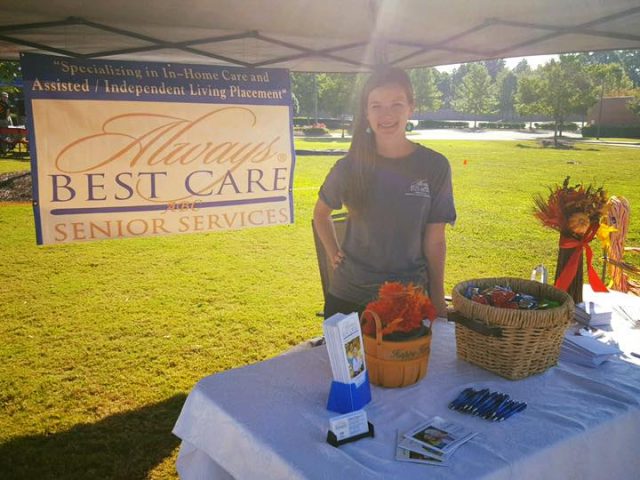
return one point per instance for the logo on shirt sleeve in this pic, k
(419, 188)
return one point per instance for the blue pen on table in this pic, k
(517, 409)
(468, 400)
(492, 408)
(477, 400)
(513, 411)
(480, 405)
(462, 397)
(486, 404)
(500, 407)
(506, 406)
(460, 401)
(490, 412)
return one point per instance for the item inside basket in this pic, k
(504, 297)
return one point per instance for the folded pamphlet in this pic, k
(432, 442)
(408, 450)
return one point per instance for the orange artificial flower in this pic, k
(401, 308)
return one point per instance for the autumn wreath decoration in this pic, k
(401, 309)
(575, 211)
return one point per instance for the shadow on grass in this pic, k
(15, 156)
(316, 153)
(324, 139)
(127, 445)
(550, 146)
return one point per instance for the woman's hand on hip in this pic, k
(337, 259)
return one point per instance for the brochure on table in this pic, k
(432, 442)
(350, 388)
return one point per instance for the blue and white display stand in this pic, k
(347, 397)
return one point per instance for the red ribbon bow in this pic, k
(571, 268)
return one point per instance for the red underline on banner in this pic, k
(146, 208)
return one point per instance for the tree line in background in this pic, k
(561, 89)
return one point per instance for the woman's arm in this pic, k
(434, 246)
(327, 232)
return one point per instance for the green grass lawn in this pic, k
(101, 342)
(11, 165)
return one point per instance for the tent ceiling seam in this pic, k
(26, 43)
(567, 30)
(441, 45)
(30, 26)
(310, 53)
(557, 33)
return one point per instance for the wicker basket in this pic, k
(395, 364)
(511, 343)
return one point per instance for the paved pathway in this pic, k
(471, 134)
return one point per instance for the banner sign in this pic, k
(129, 149)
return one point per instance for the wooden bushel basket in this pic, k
(511, 343)
(395, 364)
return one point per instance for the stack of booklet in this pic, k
(587, 351)
(432, 442)
(593, 314)
(346, 351)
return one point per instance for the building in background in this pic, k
(614, 112)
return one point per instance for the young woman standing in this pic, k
(399, 199)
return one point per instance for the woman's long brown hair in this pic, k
(363, 144)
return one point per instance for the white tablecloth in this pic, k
(269, 420)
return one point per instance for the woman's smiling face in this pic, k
(388, 110)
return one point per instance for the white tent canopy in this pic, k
(312, 35)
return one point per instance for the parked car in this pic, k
(411, 125)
